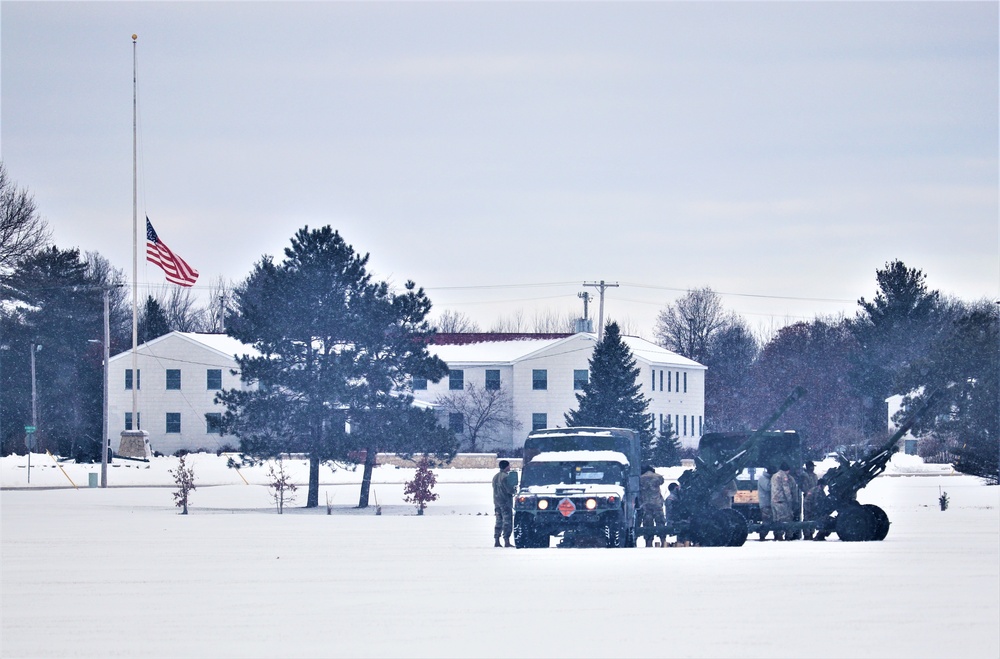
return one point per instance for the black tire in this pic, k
(855, 524)
(614, 534)
(737, 525)
(712, 530)
(881, 521)
(524, 534)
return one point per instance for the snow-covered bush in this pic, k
(184, 478)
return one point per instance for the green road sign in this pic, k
(29, 429)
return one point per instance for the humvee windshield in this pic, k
(571, 473)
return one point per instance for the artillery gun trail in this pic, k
(863, 522)
(696, 515)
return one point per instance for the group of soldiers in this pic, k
(788, 495)
(784, 495)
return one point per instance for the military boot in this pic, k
(506, 542)
(496, 541)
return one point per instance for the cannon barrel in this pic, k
(696, 512)
(846, 479)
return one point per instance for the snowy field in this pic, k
(116, 572)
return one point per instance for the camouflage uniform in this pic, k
(817, 508)
(651, 500)
(504, 488)
(764, 501)
(784, 498)
(807, 481)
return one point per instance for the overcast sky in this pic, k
(501, 154)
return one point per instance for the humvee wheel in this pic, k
(881, 521)
(856, 524)
(524, 533)
(737, 525)
(614, 534)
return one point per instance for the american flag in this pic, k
(177, 271)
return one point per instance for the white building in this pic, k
(180, 373)
(543, 374)
(178, 376)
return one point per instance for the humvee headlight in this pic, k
(591, 504)
(543, 504)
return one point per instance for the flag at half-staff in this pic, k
(177, 271)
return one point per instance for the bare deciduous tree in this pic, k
(688, 325)
(22, 231)
(182, 312)
(484, 411)
(455, 322)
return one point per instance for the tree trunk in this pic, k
(366, 479)
(312, 500)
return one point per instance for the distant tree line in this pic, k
(906, 341)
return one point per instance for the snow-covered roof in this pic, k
(220, 343)
(501, 349)
(581, 456)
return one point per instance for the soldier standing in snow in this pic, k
(807, 481)
(503, 503)
(764, 499)
(784, 498)
(651, 500)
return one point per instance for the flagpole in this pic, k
(135, 251)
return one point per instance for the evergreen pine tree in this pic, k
(153, 322)
(666, 449)
(612, 397)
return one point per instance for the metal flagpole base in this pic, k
(135, 444)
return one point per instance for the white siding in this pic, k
(192, 401)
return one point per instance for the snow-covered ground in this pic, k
(112, 572)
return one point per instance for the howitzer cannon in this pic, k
(863, 522)
(697, 515)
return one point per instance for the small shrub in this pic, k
(184, 478)
(281, 486)
(418, 490)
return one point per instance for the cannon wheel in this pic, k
(881, 521)
(737, 525)
(712, 530)
(856, 524)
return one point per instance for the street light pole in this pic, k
(105, 440)
(34, 408)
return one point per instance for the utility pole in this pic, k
(601, 287)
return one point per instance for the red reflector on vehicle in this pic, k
(566, 507)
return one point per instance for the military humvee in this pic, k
(581, 484)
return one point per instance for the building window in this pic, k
(419, 384)
(677, 423)
(213, 379)
(456, 380)
(685, 425)
(128, 379)
(456, 422)
(492, 380)
(580, 378)
(539, 379)
(539, 420)
(686, 384)
(173, 422)
(653, 373)
(677, 382)
(128, 420)
(173, 378)
(213, 423)
(701, 430)
(661, 380)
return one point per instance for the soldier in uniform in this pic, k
(504, 488)
(784, 498)
(651, 500)
(807, 481)
(764, 499)
(818, 509)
